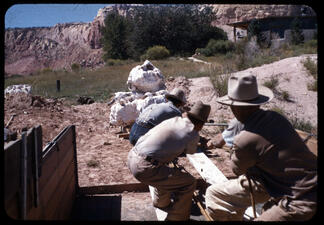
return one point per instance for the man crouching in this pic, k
(148, 160)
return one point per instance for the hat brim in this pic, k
(196, 117)
(174, 97)
(265, 96)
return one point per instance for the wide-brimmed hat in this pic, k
(200, 111)
(243, 90)
(177, 94)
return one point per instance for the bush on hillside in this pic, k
(156, 52)
(75, 67)
(217, 47)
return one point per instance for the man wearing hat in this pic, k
(148, 160)
(156, 113)
(270, 159)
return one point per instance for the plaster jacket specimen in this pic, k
(145, 78)
(146, 85)
(26, 88)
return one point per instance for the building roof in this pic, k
(244, 24)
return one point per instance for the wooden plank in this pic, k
(23, 168)
(50, 210)
(49, 164)
(65, 164)
(39, 148)
(206, 168)
(49, 180)
(113, 189)
(160, 214)
(65, 143)
(11, 169)
(30, 200)
(66, 201)
(12, 206)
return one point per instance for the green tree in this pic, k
(297, 36)
(115, 37)
(180, 28)
(254, 29)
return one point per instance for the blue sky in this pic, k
(45, 15)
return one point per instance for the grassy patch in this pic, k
(100, 84)
(311, 67)
(301, 124)
(272, 83)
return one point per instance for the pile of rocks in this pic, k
(147, 86)
(19, 88)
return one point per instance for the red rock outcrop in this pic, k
(28, 50)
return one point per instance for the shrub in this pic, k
(157, 52)
(272, 83)
(218, 47)
(312, 86)
(278, 110)
(286, 96)
(220, 83)
(311, 67)
(113, 62)
(46, 70)
(301, 124)
(311, 43)
(75, 67)
(204, 51)
(297, 36)
(93, 163)
(254, 29)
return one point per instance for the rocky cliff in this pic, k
(28, 50)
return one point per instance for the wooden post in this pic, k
(58, 85)
(234, 33)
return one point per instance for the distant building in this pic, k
(276, 29)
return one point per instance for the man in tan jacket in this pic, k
(148, 160)
(269, 158)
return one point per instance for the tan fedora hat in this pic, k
(178, 94)
(200, 111)
(243, 90)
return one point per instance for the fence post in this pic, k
(58, 85)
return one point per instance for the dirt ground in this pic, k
(102, 156)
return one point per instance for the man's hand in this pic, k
(217, 142)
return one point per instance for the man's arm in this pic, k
(218, 142)
(244, 154)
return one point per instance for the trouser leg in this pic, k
(136, 132)
(161, 198)
(294, 210)
(166, 180)
(228, 201)
(182, 184)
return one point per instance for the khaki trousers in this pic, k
(165, 180)
(228, 201)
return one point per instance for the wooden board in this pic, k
(113, 189)
(206, 168)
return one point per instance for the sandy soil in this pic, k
(102, 155)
